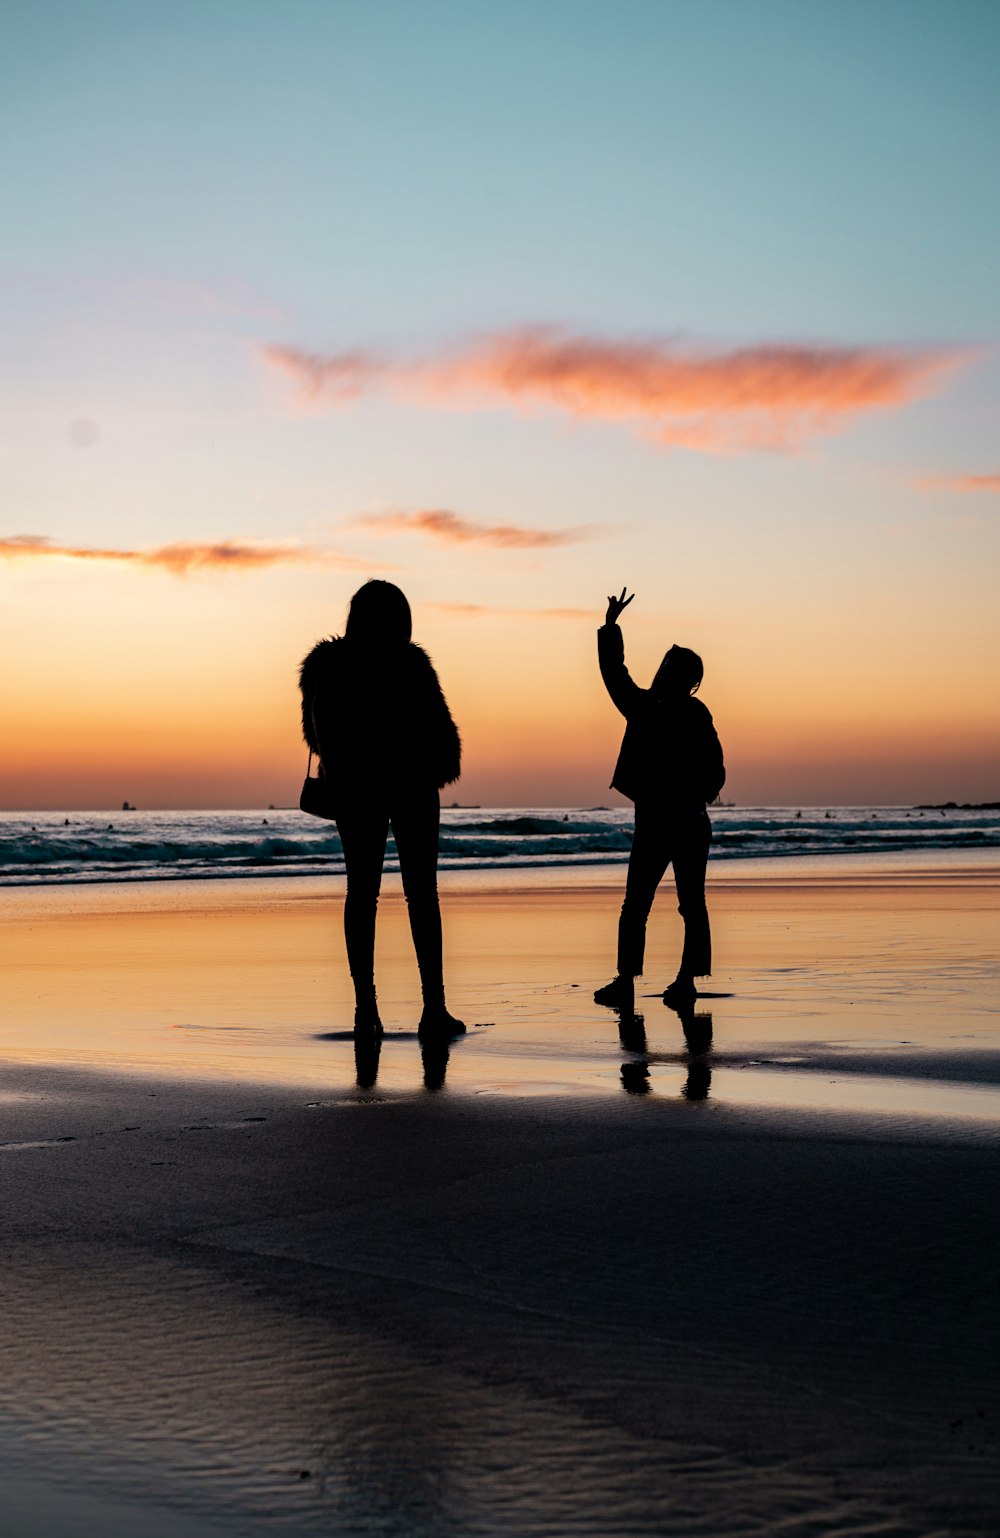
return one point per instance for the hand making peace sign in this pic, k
(615, 607)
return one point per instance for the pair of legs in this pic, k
(363, 825)
(664, 837)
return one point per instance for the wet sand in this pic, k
(578, 1275)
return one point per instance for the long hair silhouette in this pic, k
(374, 713)
(379, 616)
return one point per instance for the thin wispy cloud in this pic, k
(181, 558)
(452, 529)
(128, 295)
(232, 297)
(476, 610)
(338, 377)
(964, 483)
(770, 395)
(461, 609)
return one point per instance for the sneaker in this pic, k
(681, 991)
(619, 994)
(436, 1021)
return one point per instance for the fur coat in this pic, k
(377, 719)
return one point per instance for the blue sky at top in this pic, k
(734, 169)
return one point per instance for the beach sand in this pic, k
(579, 1275)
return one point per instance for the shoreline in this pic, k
(946, 864)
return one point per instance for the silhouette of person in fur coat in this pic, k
(374, 714)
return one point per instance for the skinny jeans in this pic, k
(363, 825)
(662, 837)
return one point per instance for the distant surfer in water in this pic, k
(670, 765)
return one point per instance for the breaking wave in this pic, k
(52, 847)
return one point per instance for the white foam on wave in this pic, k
(44, 848)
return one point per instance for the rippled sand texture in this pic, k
(242, 1295)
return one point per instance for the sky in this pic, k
(511, 305)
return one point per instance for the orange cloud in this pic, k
(455, 530)
(768, 395)
(231, 555)
(989, 482)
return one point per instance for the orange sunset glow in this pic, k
(201, 706)
(748, 370)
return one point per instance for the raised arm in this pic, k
(624, 692)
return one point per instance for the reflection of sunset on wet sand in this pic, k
(246, 979)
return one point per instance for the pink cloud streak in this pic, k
(452, 529)
(476, 610)
(181, 558)
(341, 376)
(964, 483)
(767, 395)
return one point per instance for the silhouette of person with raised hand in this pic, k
(374, 714)
(670, 765)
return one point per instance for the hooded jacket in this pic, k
(377, 719)
(670, 753)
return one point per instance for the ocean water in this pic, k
(55, 847)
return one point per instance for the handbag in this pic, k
(315, 796)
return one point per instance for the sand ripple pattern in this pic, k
(219, 1399)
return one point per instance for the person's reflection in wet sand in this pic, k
(632, 1030)
(367, 1051)
(632, 1035)
(697, 1030)
(435, 1049)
